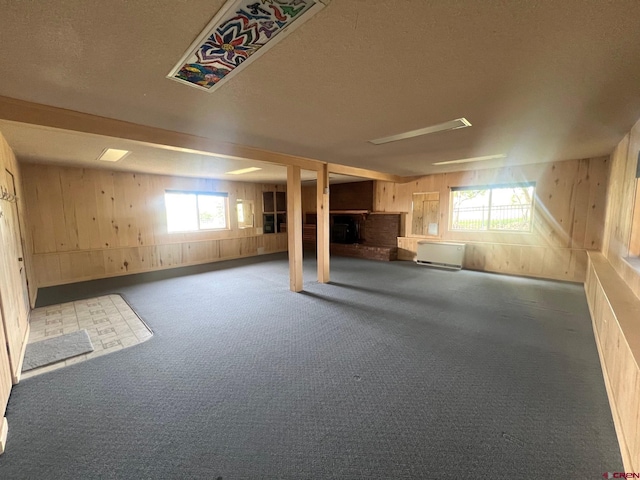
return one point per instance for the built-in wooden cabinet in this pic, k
(274, 212)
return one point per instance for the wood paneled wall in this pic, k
(568, 217)
(14, 297)
(615, 313)
(309, 200)
(351, 196)
(613, 293)
(342, 196)
(621, 202)
(87, 224)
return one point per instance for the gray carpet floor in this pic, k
(392, 371)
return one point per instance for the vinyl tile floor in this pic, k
(110, 322)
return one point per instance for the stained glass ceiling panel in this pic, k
(239, 33)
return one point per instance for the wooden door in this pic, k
(14, 302)
(426, 210)
(25, 306)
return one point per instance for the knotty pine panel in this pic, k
(569, 213)
(613, 294)
(89, 223)
(621, 200)
(526, 260)
(569, 204)
(69, 267)
(613, 309)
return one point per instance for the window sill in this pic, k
(519, 232)
(203, 230)
(426, 237)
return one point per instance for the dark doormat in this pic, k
(52, 350)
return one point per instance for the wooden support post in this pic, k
(294, 227)
(322, 231)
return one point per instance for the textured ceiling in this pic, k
(539, 80)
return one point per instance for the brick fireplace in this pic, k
(354, 231)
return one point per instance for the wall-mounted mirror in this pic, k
(426, 213)
(244, 209)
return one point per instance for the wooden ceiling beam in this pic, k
(43, 115)
(31, 113)
(364, 173)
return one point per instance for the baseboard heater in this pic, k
(441, 254)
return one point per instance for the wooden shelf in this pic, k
(349, 212)
(274, 212)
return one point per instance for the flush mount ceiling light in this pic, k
(473, 159)
(243, 170)
(113, 154)
(441, 127)
(238, 34)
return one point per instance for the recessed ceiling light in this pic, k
(441, 127)
(113, 154)
(243, 170)
(473, 159)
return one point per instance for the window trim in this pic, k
(197, 193)
(490, 188)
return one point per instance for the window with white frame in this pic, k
(192, 211)
(493, 207)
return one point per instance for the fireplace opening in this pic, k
(344, 230)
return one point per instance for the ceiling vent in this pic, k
(441, 127)
(238, 34)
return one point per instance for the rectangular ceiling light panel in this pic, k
(244, 170)
(441, 127)
(113, 154)
(239, 33)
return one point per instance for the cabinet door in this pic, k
(268, 223)
(281, 222)
(268, 205)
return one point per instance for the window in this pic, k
(501, 207)
(244, 209)
(191, 211)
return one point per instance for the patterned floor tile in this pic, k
(110, 322)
